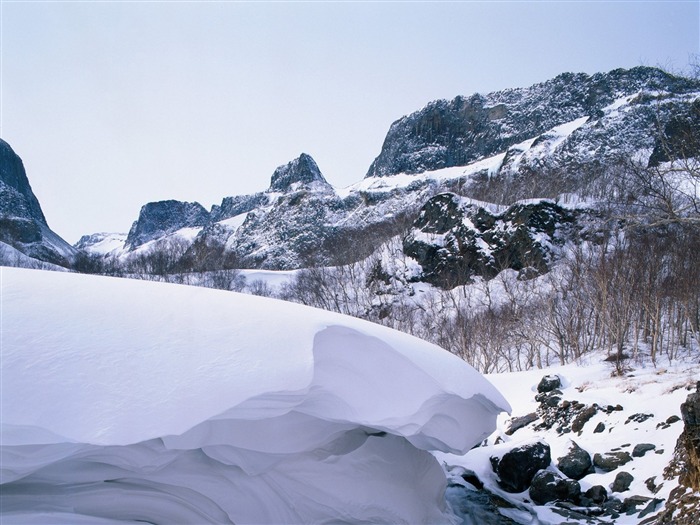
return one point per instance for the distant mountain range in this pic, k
(548, 141)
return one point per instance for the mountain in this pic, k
(569, 136)
(619, 110)
(22, 223)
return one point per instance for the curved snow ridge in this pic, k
(195, 405)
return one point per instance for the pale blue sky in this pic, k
(114, 104)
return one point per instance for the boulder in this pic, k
(548, 383)
(520, 422)
(583, 418)
(549, 486)
(622, 482)
(517, 467)
(609, 461)
(597, 494)
(576, 463)
(641, 449)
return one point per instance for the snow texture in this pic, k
(131, 401)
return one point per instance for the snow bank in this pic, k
(138, 401)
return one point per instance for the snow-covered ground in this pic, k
(646, 399)
(132, 401)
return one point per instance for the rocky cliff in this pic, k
(22, 222)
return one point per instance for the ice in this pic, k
(138, 401)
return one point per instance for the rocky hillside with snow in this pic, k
(24, 232)
(570, 136)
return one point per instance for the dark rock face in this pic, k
(576, 463)
(301, 170)
(158, 219)
(548, 486)
(683, 506)
(609, 461)
(16, 196)
(465, 129)
(454, 240)
(517, 467)
(232, 206)
(680, 138)
(548, 383)
(622, 482)
(22, 222)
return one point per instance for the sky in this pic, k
(113, 104)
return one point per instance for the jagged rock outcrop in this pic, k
(157, 219)
(302, 171)
(454, 239)
(683, 506)
(22, 222)
(558, 140)
(460, 131)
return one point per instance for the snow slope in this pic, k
(647, 396)
(137, 401)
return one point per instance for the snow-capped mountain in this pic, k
(573, 117)
(24, 231)
(549, 140)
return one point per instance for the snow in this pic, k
(645, 390)
(138, 401)
(234, 222)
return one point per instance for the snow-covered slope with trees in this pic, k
(135, 401)
(569, 135)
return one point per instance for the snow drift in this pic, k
(134, 401)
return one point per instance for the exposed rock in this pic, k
(638, 418)
(22, 222)
(583, 418)
(548, 486)
(622, 482)
(683, 506)
(549, 383)
(158, 219)
(518, 466)
(599, 428)
(609, 461)
(462, 130)
(597, 494)
(520, 422)
(301, 171)
(641, 449)
(576, 463)
(454, 240)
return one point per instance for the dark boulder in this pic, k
(622, 482)
(639, 450)
(597, 494)
(518, 466)
(549, 486)
(583, 418)
(609, 461)
(520, 422)
(548, 383)
(576, 463)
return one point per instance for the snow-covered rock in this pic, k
(138, 401)
(22, 222)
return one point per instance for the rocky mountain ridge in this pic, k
(550, 140)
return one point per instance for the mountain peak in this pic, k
(302, 170)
